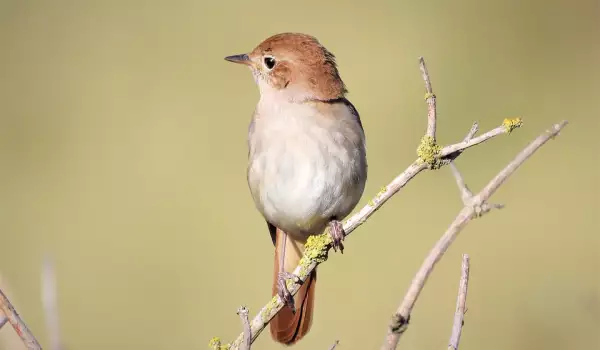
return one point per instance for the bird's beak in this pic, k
(243, 59)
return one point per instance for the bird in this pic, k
(307, 162)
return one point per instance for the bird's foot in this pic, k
(336, 231)
(282, 289)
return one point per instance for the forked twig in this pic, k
(477, 206)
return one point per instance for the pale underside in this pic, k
(307, 163)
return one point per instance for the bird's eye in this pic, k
(269, 62)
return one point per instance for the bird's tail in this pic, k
(288, 327)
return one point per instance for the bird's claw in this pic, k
(283, 291)
(336, 231)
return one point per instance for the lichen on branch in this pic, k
(429, 151)
(511, 124)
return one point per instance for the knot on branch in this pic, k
(215, 344)
(399, 324)
(484, 208)
(242, 311)
(429, 151)
(511, 124)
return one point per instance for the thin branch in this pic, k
(334, 345)
(465, 194)
(50, 304)
(430, 99)
(470, 140)
(472, 132)
(3, 321)
(461, 304)
(477, 207)
(20, 327)
(243, 313)
(264, 316)
(474, 141)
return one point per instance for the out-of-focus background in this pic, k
(123, 156)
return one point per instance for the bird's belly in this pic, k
(301, 183)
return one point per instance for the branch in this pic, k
(461, 302)
(243, 313)
(472, 132)
(3, 321)
(465, 193)
(430, 99)
(431, 156)
(18, 324)
(477, 206)
(334, 345)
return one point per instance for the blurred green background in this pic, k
(123, 155)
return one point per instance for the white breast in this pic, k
(305, 168)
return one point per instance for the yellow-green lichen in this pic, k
(428, 152)
(315, 248)
(268, 309)
(378, 196)
(215, 344)
(511, 124)
(429, 94)
(303, 267)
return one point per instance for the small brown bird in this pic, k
(307, 163)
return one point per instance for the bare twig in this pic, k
(473, 141)
(3, 321)
(461, 303)
(334, 345)
(317, 247)
(472, 132)
(478, 206)
(49, 303)
(465, 193)
(17, 323)
(430, 99)
(243, 313)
